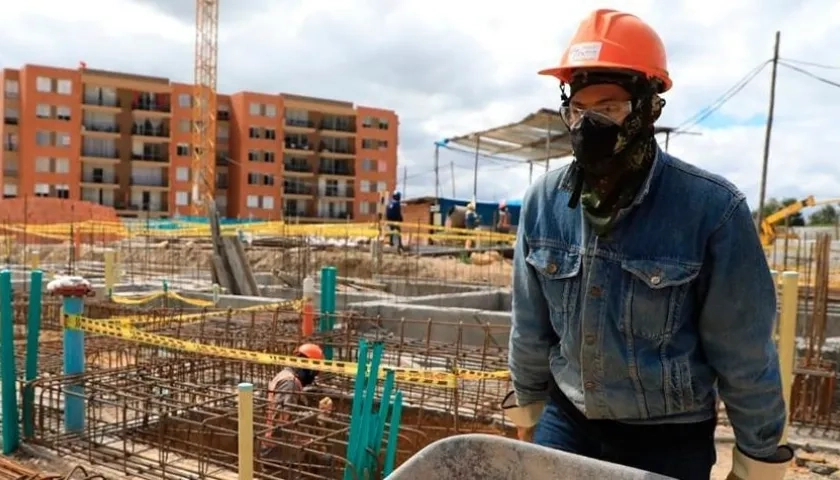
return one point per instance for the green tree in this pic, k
(827, 215)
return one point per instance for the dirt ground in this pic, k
(162, 257)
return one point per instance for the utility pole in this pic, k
(767, 132)
(452, 172)
(437, 170)
(405, 182)
(475, 169)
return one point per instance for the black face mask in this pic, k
(306, 377)
(593, 140)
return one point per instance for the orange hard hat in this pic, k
(609, 39)
(310, 350)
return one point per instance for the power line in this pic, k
(720, 101)
(810, 64)
(809, 74)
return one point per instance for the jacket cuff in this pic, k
(745, 467)
(523, 416)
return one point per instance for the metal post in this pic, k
(787, 337)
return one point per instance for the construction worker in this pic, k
(393, 214)
(287, 387)
(503, 220)
(627, 325)
(470, 223)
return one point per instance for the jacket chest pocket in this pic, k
(559, 271)
(655, 294)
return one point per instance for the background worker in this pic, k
(471, 222)
(628, 324)
(288, 385)
(503, 218)
(393, 213)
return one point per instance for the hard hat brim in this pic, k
(564, 74)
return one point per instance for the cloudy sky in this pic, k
(449, 67)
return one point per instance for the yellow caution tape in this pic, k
(124, 329)
(140, 318)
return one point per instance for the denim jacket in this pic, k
(646, 324)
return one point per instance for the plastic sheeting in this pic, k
(488, 457)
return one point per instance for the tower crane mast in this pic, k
(204, 106)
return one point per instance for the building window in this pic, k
(368, 165)
(182, 198)
(270, 111)
(184, 126)
(43, 84)
(253, 156)
(368, 122)
(268, 202)
(62, 113)
(222, 132)
(43, 138)
(64, 87)
(62, 165)
(254, 109)
(184, 100)
(270, 134)
(42, 190)
(252, 201)
(43, 110)
(182, 174)
(364, 186)
(10, 190)
(364, 208)
(383, 124)
(253, 179)
(268, 157)
(62, 139)
(182, 150)
(42, 164)
(381, 186)
(12, 90)
(383, 166)
(254, 132)
(62, 191)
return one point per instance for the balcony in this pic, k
(150, 183)
(154, 158)
(10, 120)
(100, 129)
(221, 184)
(10, 147)
(336, 193)
(152, 107)
(299, 125)
(335, 170)
(342, 128)
(336, 151)
(159, 131)
(107, 180)
(153, 208)
(297, 145)
(100, 156)
(101, 101)
(222, 160)
(295, 213)
(222, 116)
(297, 167)
(299, 189)
(11, 172)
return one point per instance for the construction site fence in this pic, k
(110, 231)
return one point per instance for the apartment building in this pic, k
(124, 141)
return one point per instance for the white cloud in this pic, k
(451, 67)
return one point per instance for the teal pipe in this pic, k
(370, 394)
(393, 435)
(33, 333)
(377, 434)
(356, 407)
(8, 373)
(328, 286)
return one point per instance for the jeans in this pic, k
(683, 452)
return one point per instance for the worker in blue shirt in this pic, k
(393, 213)
(641, 292)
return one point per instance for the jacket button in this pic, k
(551, 268)
(655, 279)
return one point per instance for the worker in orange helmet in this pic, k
(641, 292)
(286, 387)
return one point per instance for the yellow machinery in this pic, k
(204, 106)
(768, 228)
